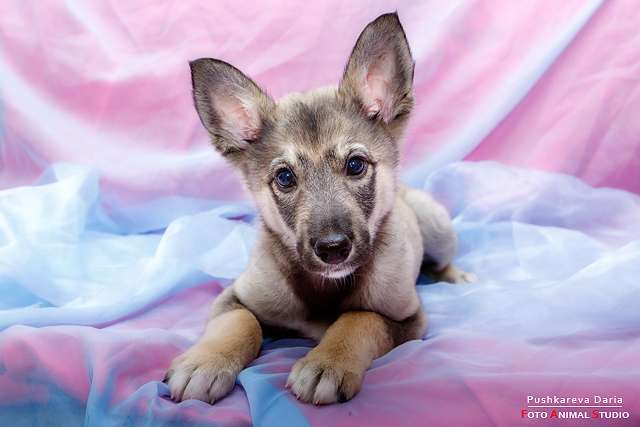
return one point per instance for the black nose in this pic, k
(333, 249)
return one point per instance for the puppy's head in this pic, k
(321, 165)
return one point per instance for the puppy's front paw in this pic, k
(201, 373)
(322, 378)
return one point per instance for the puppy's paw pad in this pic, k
(200, 375)
(321, 381)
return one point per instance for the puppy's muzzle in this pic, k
(333, 248)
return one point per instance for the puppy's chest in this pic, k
(324, 299)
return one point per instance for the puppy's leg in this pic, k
(208, 370)
(438, 236)
(333, 370)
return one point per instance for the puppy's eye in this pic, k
(356, 166)
(285, 178)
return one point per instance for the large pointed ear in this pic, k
(230, 105)
(379, 74)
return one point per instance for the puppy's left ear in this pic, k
(379, 74)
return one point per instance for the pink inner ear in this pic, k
(378, 95)
(239, 118)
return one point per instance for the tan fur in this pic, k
(365, 303)
(207, 371)
(333, 370)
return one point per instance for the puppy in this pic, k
(341, 242)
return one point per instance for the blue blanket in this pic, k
(92, 309)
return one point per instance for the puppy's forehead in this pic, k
(315, 126)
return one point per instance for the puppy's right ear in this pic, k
(230, 105)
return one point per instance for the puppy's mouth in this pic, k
(316, 266)
(338, 271)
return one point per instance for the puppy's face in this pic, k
(320, 165)
(323, 180)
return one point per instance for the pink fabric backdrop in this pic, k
(542, 84)
(545, 84)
